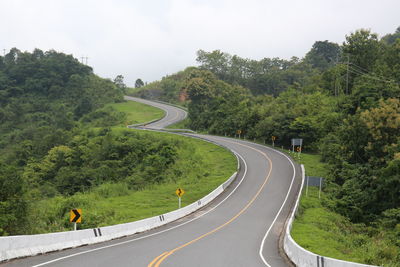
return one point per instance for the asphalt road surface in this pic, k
(240, 228)
(172, 114)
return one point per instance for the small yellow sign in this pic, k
(273, 138)
(179, 192)
(298, 149)
(239, 131)
(75, 216)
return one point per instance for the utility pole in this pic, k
(82, 59)
(86, 60)
(347, 75)
(336, 75)
(337, 82)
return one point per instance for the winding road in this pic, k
(241, 227)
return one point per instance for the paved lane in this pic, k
(229, 232)
(172, 114)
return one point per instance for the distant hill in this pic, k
(43, 96)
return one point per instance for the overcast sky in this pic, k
(152, 38)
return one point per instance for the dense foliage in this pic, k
(46, 99)
(126, 175)
(343, 100)
(170, 89)
(62, 147)
(98, 157)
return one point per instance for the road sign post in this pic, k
(75, 216)
(273, 141)
(316, 182)
(297, 142)
(239, 132)
(179, 192)
(298, 151)
(320, 187)
(307, 186)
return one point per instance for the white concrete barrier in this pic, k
(29, 245)
(12, 247)
(302, 257)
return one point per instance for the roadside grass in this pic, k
(137, 112)
(312, 164)
(322, 231)
(329, 234)
(200, 168)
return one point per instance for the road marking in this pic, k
(163, 256)
(163, 107)
(158, 258)
(171, 121)
(161, 259)
(283, 204)
(157, 233)
(277, 215)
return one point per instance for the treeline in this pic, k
(55, 140)
(348, 111)
(169, 89)
(343, 100)
(99, 156)
(43, 96)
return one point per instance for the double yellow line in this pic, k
(158, 260)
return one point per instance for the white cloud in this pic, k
(150, 39)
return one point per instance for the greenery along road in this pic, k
(319, 229)
(342, 99)
(169, 162)
(136, 112)
(62, 147)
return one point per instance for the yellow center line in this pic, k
(176, 116)
(157, 261)
(157, 258)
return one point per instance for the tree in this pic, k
(216, 61)
(391, 38)
(119, 82)
(363, 48)
(323, 54)
(13, 205)
(383, 124)
(139, 83)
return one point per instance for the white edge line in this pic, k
(280, 210)
(147, 102)
(277, 215)
(163, 231)
(284, 202)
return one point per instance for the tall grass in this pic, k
(137, 112)
(199, 169)
(320, 229)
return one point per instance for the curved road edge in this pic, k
(12, 247)
(279, 196)
(299, 255)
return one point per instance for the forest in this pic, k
(56, 140)
(342, 99)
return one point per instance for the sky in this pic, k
(149, 39)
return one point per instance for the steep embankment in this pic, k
(140, 184)
(64, 145)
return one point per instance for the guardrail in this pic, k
(302, 257)
(29, 245)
